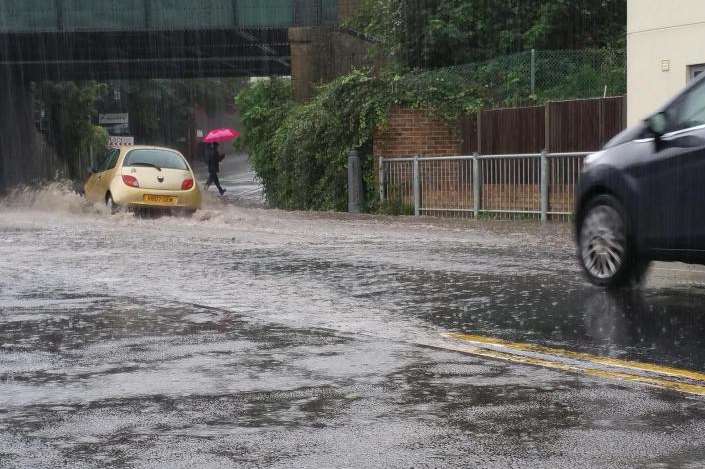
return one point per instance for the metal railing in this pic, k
(538, 185)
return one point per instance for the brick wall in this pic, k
(446, 185)
(413, 132)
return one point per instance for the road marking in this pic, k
(627, 370)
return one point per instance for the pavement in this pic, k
(237, 178)
(246, 337)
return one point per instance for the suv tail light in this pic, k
(187, 184)
(130, 181)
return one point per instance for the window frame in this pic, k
(695, 71)
(112, 159)
(105, 161)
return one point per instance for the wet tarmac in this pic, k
(245, 337)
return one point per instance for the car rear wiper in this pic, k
(147, 164)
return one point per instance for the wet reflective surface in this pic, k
(247, 337)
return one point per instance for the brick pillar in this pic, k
(310, 59)
(347, 9)
(322, 53)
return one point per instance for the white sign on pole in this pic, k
(114, 119)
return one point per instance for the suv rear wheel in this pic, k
(605, 248)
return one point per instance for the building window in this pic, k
(694, 71)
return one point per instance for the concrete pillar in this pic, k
(476, 185)
(417, 186)
(544, 187)
(355, 187)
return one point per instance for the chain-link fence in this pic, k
(537, 76)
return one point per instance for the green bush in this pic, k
(264, 107)
(299, 151)
(70, 107)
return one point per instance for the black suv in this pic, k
(642, 197)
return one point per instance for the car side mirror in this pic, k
(657, 124)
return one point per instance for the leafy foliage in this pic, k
(161, 111)
(264, 107)
(438, 33)
(70, 108)
(561, 74)
(299, 151)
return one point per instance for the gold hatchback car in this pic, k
(144, 177)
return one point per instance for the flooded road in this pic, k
(244, 337)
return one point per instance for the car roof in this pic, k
(146, 147)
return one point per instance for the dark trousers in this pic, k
(213, 179)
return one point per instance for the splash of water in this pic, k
(59, 196)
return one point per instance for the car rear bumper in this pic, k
(146, 198)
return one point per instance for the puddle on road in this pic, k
(246, 335)
(522, 290)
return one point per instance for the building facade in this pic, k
(665, 50)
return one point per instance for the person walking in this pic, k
(214, 159)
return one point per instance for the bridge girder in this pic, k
(147, 54)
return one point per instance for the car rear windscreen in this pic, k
(160, 158)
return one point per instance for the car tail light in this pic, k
(130, 181)
(187, 184)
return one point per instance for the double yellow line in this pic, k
(665, 377)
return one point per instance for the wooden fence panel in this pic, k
(574, 125)
(510, 184)
(467, 126)
(614, 117)
(583, 125)
(512, 130)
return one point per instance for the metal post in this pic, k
(354, 182)
(148, 14)
(476, 185)
(533, 72)
(381, 178)
(59, 5)
(236, 14)
(544, 186)
(417, 188)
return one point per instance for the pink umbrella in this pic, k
(221, 135)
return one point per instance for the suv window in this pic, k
(689, 110)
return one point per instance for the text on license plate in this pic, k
(159, 199)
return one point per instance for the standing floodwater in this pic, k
(244, 336)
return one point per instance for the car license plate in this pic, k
(159, 199)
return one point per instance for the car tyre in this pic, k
(113, 208)
(606, 250)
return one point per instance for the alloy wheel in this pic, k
(603, 242)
